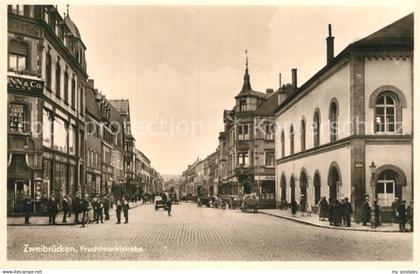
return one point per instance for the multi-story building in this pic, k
(123, 108)
(348, 130)
(247, 145)
(46, 94)
(94, 184)
(189, 179)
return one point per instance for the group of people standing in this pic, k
(338, 213)
(88, 209)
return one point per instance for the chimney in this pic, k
(91, 83)
(294, 78)
(269, 90)
(279, 80)
(330, 45)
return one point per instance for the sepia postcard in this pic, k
(209, 133)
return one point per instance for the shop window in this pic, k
(60, 135)
(17, 118)
(72, 140)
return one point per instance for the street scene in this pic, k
(215, 133)
(201, 233)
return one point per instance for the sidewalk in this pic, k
(43, 220)
(314, 221)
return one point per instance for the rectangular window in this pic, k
(46, 129)
(17, 118)
(243, 132)
(269, 159)
(72, 140)
(269, 131)
(17, 9)
(243, 159)
(242, 106)
(17, 62)
(60, 135)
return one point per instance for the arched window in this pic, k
(58, 80)
(317, 186)
(303, 184)
(316, 128)
(18, 56)
(292, 140)
(303, 134)
(385, 110)
(66, 87)
(333, 122)
(282, 143)
(283, 187)
(48, 71)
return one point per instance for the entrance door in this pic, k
(292, 189)
(333, 182)
(385, 192)
(16, 191)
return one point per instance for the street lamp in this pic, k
(372, 168)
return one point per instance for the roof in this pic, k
(268, 106)
(91, 106)
(121, 105)
(396, 36)
(114, 116)
(72, 26)
(247, 90)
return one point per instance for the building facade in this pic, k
(348, 130)
(46, 117)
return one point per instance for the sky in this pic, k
(180, 67)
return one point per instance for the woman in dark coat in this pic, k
(293, 207)
(331, 211)
(365, 211)
(323, 209)
(302, 205)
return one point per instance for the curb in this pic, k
(330, 227)
(61, 224)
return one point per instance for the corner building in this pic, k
(348, 131)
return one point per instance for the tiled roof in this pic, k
(91, 106)
(269, 105)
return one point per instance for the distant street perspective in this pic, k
(201, 233)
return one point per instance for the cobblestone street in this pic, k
(194, 233)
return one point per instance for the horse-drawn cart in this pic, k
(249, 203)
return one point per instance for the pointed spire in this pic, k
(247, 83)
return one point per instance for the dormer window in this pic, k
(242, 106)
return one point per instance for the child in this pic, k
(309, 210)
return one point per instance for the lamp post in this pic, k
(372, 168)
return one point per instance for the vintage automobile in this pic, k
(204, 200)
(159, 203)
(250, 203)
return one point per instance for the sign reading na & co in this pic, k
(24, 84)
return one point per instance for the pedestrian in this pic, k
(85, 208)
(365, 214)
(98, 207)
(106, 203)
(126, 207)
(118, 207)
(293, 207)
(331, 211)
(70, 204)
(65, 207)
(27, 208)
(169, 205)
(77, 207)
(323, 208)
(309, 210)
(337, 216)
(347, 212)
(302, 205)
(52, 210)
(395, 205)
(402, 216)
(410, 215)
(377, 211)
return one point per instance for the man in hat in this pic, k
(52, 209)
(77, 207)
(106, 203)
(347, 212)
(27, 207)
